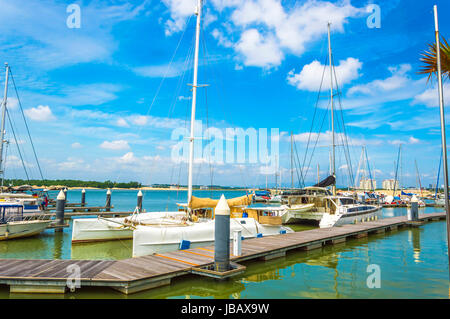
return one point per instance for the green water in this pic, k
(413, 262)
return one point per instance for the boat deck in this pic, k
(141, 273)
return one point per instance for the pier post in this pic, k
(108, 200)
(413, 213)
(237, 243)
(83, 197)
(222, 236)
(139, 201)
(60, 205)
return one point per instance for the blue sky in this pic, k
(102, 100)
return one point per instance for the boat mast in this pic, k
(418, 177)
(194, 96)
(333, 168)
(2, 134)
(443, 136)
(292, 165)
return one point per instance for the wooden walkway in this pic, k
(141, 273)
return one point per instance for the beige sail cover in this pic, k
(197, 202)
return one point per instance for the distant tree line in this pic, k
(71, 183)
(195, 186)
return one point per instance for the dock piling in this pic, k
(413, 213)
(83, 197)
(139, 201)
(60, 206)
(222, 236)
(108, 200)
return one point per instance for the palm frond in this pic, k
(429, 59)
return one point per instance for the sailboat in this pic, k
(13, 222)
(194, 223)
(329, 209)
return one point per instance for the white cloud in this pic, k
(413, 140)
(159, 71)
(41, 113)
(430, 97)
(121, 122)
(179, 11)
(115, 145)
(311, 75)
(398, 80)
(265, 29)
(140, 120)
(258, 50)
(76, 145)
(282, 30)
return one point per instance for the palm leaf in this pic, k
(429, 60)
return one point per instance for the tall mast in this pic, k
(443, 136)
(194, 96)
(292, 165)
(2, 134)
(418, 177)
(333, 164)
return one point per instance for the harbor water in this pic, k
(412, 262)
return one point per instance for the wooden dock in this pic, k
(142, 273)
(68, 215)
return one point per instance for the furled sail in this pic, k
(197, 202)
(330, 180)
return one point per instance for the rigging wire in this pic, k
(26, 124)
(17, 144)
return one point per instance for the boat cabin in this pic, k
(10, 213)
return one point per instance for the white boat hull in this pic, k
(300, 213)
(338, 219)
(149, 240)
(21, 229)
(96, 229)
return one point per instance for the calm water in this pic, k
(413, 262)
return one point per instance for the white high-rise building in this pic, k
(367, 184)
(390, 184)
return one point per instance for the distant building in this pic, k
(367, 184)
(390, 184)
(204, 187)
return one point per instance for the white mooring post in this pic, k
(139, 201)
(222, 236)
(108, 200)
(413, 213)
(60, 206)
